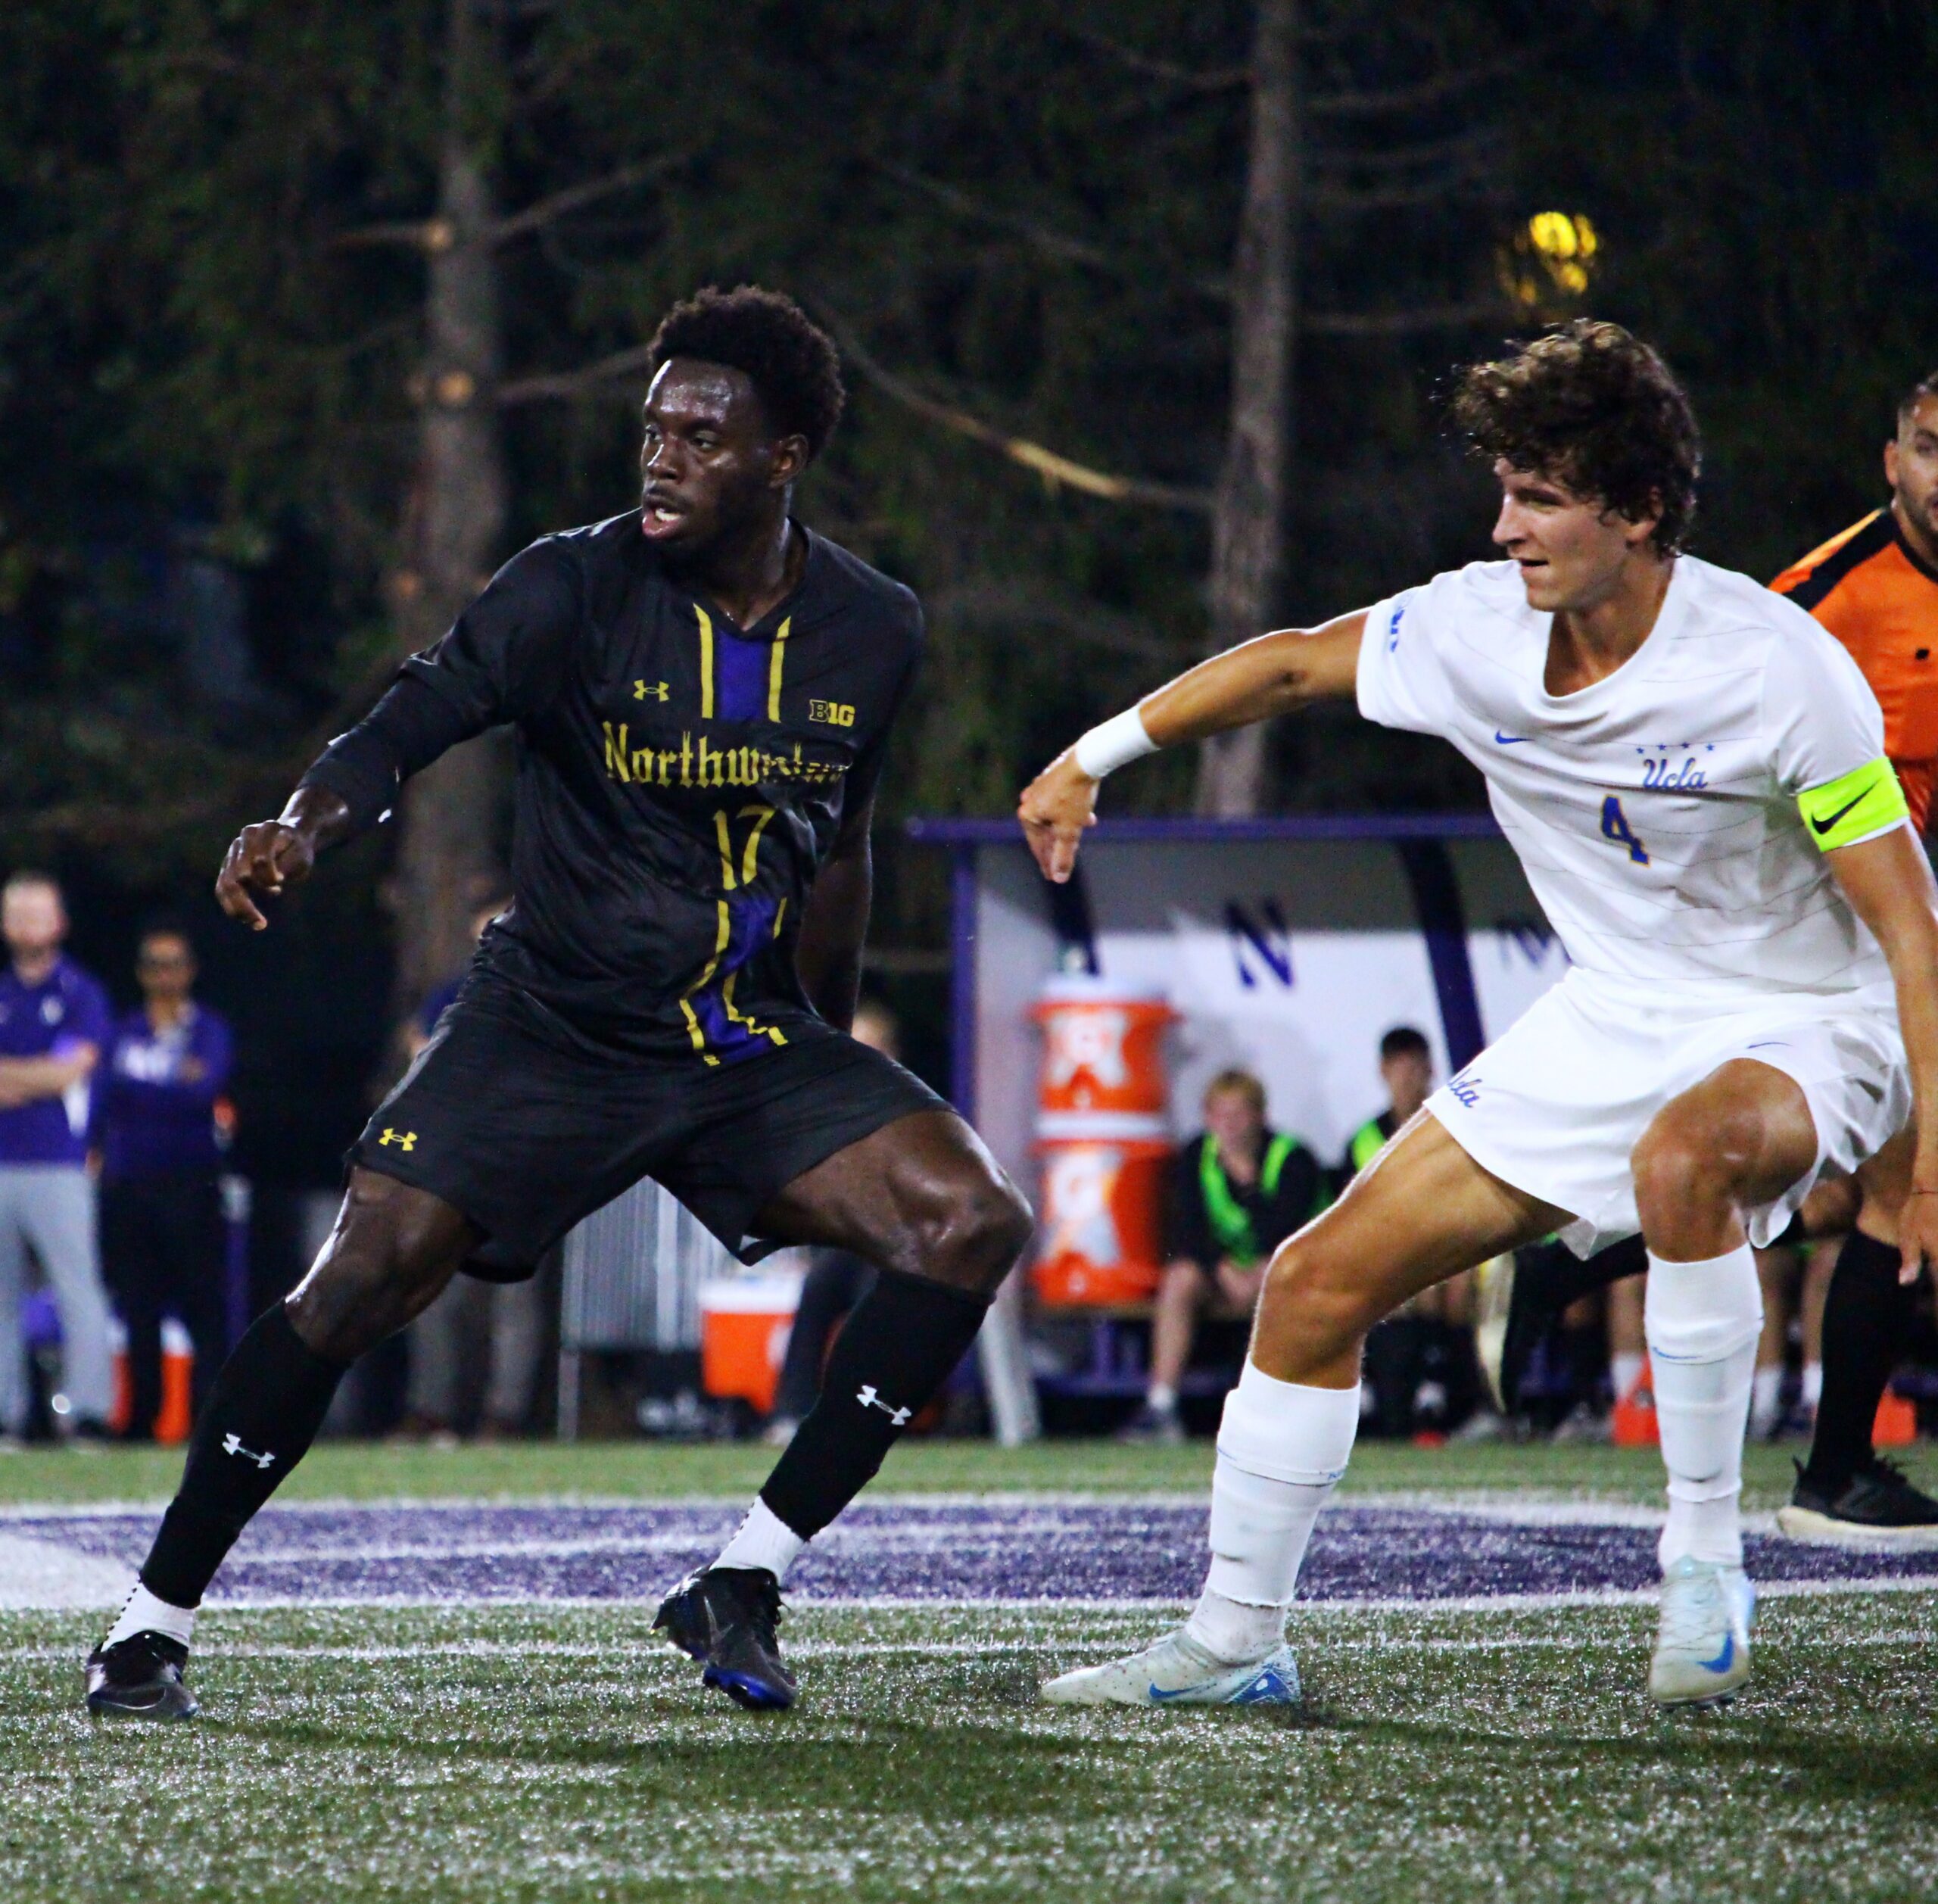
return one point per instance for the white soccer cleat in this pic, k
(1702, 1653)
(1176, 1670)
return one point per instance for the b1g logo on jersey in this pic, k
(831, 714)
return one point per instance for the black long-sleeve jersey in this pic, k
(679, 781)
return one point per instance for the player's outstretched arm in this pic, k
(1254, 681)
(1888, 881)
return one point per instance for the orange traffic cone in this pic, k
(1896, 1425)
(178, 1360)
(1633, 1424)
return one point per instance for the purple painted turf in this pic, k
(971, 1549)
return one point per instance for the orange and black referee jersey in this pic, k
(1869, 588)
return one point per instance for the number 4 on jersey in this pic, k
(1615, 826)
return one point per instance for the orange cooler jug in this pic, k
(1104, 1140)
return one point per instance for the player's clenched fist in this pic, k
(264, 858)
(273, 854)
(1055, 808)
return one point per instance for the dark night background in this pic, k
(216, 226)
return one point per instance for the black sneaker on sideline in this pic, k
(1877, 1506)
(725, 1618)
(141, 1678)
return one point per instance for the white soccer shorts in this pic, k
(1556, 1104)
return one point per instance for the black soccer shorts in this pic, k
(512, 1118)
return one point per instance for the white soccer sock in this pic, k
(144, 1613)
(1622, 1370)
(1161, 1398)
(1766, 1399)
(764, 1540)
(1813, 1383)
(1281, 1446)
(1702, 1320)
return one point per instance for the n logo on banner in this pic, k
(1268, 937)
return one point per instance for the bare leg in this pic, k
(1422, 1212)
(1174, 1323)
(924, 1200)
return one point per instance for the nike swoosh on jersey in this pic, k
(1824, 825)
(1512, 739)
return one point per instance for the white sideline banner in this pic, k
(1289, 956)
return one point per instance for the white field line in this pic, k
(896, 1602)
(1504, 1504)
(866, 1650)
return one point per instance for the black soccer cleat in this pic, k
(141, 1678)
(1877, 1506)
(724, 1617)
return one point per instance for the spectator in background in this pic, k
(1238, 1190)
(155, 1129)
(1406, 1069)
(53, 1026)
(836, 1280)
(1420, 1365)
(508, 1316)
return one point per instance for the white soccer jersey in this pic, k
(1655, 811)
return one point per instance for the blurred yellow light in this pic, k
(1555, 251)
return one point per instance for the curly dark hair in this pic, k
(767, 336)
(1593, 406)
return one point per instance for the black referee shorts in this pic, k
(511, 1118)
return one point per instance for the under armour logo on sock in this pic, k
(869, 1399)
(232, 1444)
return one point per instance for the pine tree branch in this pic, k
(1427, 92)
(566, 385)
(1046, 238)
(437, 234)
(1056, 470)
(1220, 78)
(560, 204)
(1401, 324)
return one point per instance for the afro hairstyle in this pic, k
(769, 338)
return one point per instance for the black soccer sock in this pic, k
(899, 1345)
(263, 1414)
(1867, 1315)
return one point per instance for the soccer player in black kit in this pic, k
(702, 690)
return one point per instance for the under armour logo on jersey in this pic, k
(657, 691)
(869, 1399)
(232, 1444)
(403, 1140)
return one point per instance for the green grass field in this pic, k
(527, 1753)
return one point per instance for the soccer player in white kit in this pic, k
(1693, 773)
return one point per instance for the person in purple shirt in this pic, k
(167, 1067)
(53, 1026)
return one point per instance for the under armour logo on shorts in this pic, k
(232, 1444)
(403, 1140)
(869, 1399)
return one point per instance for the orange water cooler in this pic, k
(1103, 1135)
(744, 1322)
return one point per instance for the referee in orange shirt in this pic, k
(1875, 587)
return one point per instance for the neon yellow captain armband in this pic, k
(1853, 806)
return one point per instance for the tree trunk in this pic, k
(1247, 526)
(448, 857)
